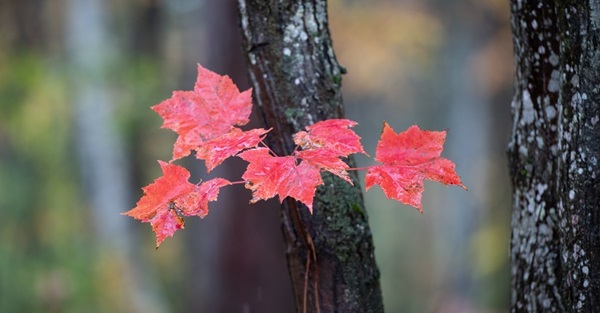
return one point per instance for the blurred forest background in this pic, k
(78, 141)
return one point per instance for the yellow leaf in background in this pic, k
(489, 249)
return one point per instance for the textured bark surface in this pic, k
(553, 156)
(296, 82)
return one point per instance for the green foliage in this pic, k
(38, 192)
(49, 259)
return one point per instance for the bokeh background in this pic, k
(78, 141)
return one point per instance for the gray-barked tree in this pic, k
(553, 155)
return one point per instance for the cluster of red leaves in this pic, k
(205, 120)
(171, 196)
(298, 175)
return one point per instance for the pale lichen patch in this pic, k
(554, 82)
(553, 59)
(528, 114)
(550, 111)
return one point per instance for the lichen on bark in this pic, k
(555, 251)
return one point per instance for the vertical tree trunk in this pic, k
(296, 81)
(101, 153)
(553, 155)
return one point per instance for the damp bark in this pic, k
(296, 82)
(553, 157)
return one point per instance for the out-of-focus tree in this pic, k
(234, 258)
(554, 153)
(102, 155)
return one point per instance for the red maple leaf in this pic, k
(216, 150)
(326, 160)
(212, 109)
(165, 223)
(333, 135)
(268, 176)
(408, 158)
(325, 142)
(195, 203)
(173, 195)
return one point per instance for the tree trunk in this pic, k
(297, 81)
(553, 156)
(104, 169)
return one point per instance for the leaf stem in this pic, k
(364, 168)
(265, 145)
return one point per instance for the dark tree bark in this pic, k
(296, 81)
(553, 155)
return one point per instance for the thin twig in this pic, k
(305, 295)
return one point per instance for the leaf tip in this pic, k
(125, 213)
(158, 242)
(385, 126)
